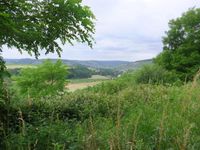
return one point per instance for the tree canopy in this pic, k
(181, 52)
(34, 25)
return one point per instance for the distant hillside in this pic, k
(133, 65)
(117, 65)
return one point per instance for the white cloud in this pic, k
(125, 29)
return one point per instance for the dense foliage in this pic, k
(3, 74)
(155, 74)
(33, 25)
(182, 45)
(118, 114)
(44, 80)
(3, 71)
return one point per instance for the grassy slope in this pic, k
(114, 115)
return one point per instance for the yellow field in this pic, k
(76, 84)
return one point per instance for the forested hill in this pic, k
(118, 65)
(133, 65)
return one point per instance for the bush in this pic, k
(154, 74)
(143, 116)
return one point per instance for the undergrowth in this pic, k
(118, 114)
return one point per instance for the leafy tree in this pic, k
(182, 45)
(33, 25)
(45, 80)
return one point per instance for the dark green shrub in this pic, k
(154, 74)
(49, 135)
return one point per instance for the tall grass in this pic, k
(115, 115)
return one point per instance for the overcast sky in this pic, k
(125, 30)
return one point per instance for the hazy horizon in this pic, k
(74, 59)
(128, 30)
